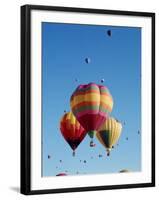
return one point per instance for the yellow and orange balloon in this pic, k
(72, 130)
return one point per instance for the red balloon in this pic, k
(72, 131)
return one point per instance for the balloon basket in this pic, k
(108, 153)
(73, 154)
(92, 144)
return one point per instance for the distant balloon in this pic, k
(87, 60)
(91, 104)
(72, 130)
(100, 155)
(127, 138)
(102, 80)
(64, 111)
(138, 132)
(124, 171)
(109, 133)
(62, 174)
(49, 156)
(92, 144)
(84, 161)
(76, 80)
(60, 161)
(109, 33)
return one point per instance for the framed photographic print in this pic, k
(87, 99)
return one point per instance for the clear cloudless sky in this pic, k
(117, 60)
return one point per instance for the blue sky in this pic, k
(117, 59)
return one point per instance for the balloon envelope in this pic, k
(102, 80)
(109, 133)
(72, 130)
(87, 60)
(91, 104)
(109, 32)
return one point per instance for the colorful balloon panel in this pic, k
(109, 133)
(71, 130)
(91, 105)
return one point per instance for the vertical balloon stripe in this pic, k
(105, 138)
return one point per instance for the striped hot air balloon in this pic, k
(72, 131)
(91, 105)
(109, 133)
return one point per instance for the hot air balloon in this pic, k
(91, 104)
(87, 60)
(109, 133)
(72, 131)
(109, 33)
(124, 171)
(62, 174)
(102, 80)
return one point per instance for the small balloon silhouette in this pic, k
(109, 33)
(87, 60)
(102, 80)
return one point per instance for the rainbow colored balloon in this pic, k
(91, 104)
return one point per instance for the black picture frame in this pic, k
(25, 184)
